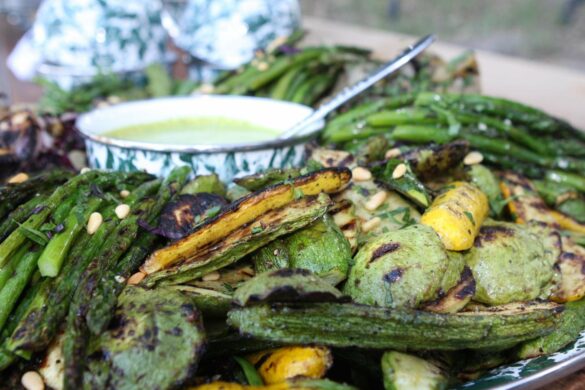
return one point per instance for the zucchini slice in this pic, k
(457, 297)
(405, 372)
(285, 285)
(244, 211)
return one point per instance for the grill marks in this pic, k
(492, 233)
(383, 250)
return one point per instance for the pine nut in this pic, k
(473, 158)
(342, 219)
(394, 152)
(376, 200)
(84, 170)
(371, 224)
(122, 210)
(95, 221)
(212, 277)
(120, 279)
(249, 271)
(32, 380)
(124, 193)
(361, 174)
(18, 178)
(136, 278)
(399, 171)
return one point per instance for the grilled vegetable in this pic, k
(571, 325)
(457, 214)
(285, 285)
(243, 212)
(156, 341)
(407, 183)
(350, 325)
(566, 222)
(244, 240)
(205, 183)
(292, 384)
(180, 216)
(571, 267)
(486, 181)
(320, 248)
(524, 203)
(430, 162)
(402, 269)
(404, 372)
(278, 365)
(457, 297)
(261, 180)
(511, 252)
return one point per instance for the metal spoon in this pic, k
(352, 91)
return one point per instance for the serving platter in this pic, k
(534, 373)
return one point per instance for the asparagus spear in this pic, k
(7, 357)
(8, 269)
(104, 301)
(48, 309)
(12, 195)
(19, 215)
(54, 254)
(11, 291)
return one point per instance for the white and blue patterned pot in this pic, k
(226, 33)
(84, 37)
(227, 161)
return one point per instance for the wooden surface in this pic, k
(558, 91)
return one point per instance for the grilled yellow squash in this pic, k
(278, 365)
(457, 214)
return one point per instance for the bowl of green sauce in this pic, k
(230, 136)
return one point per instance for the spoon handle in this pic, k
(351, 91)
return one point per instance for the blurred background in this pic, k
(550, 31)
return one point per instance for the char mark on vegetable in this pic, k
(491, 233)
(469, 289)
(394, 275)
(383, 250)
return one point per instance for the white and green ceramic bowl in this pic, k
(226, 160)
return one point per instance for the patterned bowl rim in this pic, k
(309, 134)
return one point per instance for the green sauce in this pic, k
(194, 131)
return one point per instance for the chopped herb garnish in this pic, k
(392, 215)
(257, 229)
(212, 212)
(470, 217)
(298, 193)
(32, 234)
